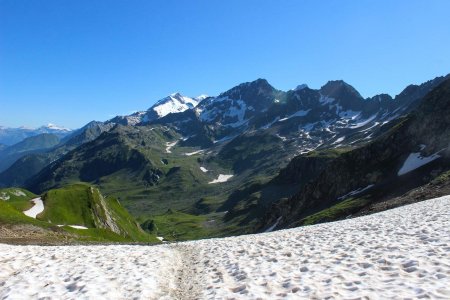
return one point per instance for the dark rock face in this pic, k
(346, 95)
(426, 130)
(303, 169)
(259, 94)
(233, 109)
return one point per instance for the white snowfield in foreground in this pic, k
(37, 208)
(396, 254)
(86, 272)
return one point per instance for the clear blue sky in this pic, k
(69, 62)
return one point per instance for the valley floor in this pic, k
(400, 253)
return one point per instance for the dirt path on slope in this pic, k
(189, 278)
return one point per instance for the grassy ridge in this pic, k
(68, 205)
(17, 197)
(82, 204)
(128, 223)
(76, 204)
(10, 215)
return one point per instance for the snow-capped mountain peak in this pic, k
(173, 103)
(52, 126)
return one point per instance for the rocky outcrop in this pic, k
(375, 166)
(103, 217)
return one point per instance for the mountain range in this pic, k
(10, 136)
(253, 158)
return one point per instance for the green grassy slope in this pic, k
(178, 226)
(77, 204)
(17, 198)
(136, 166)
(68, 205)
(82, 204)
(35, 144)
(10, 215)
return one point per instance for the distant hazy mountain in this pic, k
(34, 144)
(18, 166)
(10, 136)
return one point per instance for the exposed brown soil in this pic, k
(425, 192)
(27, 234)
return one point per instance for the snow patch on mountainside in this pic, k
(37, 208)
(326, 100)
(221, 178)
(75, 226)
(207, 115)
(135, 118)
(339, 140)
(356, 192)
(224, 139)
(416, 160)
(4, 196)
(271, 228)
(169, 146)
(237, 110)
(362, 123)
(300, 113)
(193, 153)
(18, 193)
(347, 114)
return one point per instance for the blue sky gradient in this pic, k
(69, 62)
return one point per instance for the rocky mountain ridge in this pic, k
(172, 104)
(409, 155)
(178, 161)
